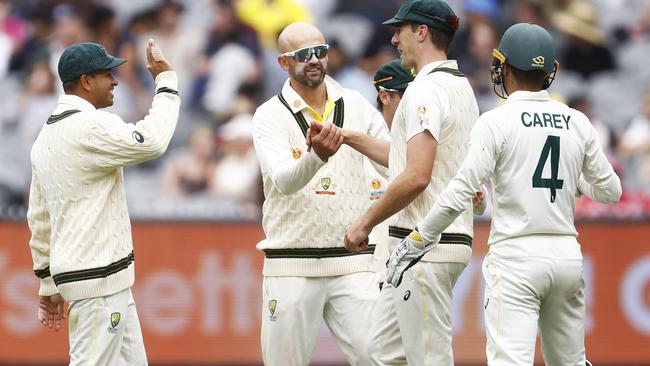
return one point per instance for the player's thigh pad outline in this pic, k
(423, 307)
(386, 347)
(562, 316)
(348, 313)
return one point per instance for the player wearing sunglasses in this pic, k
(310, 197)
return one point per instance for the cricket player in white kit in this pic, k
(310, 196)
(81, 233)
(429, 140)
(540, 155)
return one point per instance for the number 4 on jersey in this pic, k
(551, 146)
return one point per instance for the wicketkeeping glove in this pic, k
(409, 251)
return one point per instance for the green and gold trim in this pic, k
(339, 109)
(42, 273)
(57, 117)
(448, 70)
(93, 273)
(446, 238)
(304, 253)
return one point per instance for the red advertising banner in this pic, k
(198, 290)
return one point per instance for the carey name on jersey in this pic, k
(554, 120)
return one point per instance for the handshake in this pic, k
(409, 251)
(324, 138)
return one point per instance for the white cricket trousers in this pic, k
(105, 331)
(294, 308)
(522, 294)
(412, 323)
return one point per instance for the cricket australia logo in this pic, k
(538, 61)
(323, 186)
(115, 320)
(272, 305)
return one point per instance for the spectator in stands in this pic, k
(586, 50)
(231, 62)
(237, 172)
(605, 134)
(30, 109)
(191, 172)
(635, 148)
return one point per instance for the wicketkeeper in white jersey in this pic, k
(81, 233)
(540, 155)
(429, 140)
(310, 197)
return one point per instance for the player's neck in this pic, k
(315, 97)
(428, 57)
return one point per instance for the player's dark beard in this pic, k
(302, 78)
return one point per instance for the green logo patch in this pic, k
(325, 183)
(115, 319)
(272, 306)
(138, 136)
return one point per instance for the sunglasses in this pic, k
(400, 91)
(305, 54)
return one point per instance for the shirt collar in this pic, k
(296, 103)
(541, 95)
(452, 64)
(69, 101)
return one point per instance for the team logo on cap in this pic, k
(538, 61)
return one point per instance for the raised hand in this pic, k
(156, 62)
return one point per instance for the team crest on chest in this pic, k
(325, 186)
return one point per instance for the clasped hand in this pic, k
(324, 138)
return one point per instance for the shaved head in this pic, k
(299, 35)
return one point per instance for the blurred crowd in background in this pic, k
(225, 54)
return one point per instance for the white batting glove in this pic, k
(409, 251)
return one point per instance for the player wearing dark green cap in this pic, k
(391, 80)
(539, 155)
(81, 233)
(429, 139)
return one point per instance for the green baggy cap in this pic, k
(433, 13)
(392, 75)
(85, 58)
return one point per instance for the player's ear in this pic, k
(284, 64)
(384, 96)
(85, 82)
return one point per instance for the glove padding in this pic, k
(409, 251)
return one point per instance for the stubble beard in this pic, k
(300, 74)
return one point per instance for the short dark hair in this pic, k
(439, 38)
(529, 78)
(380, 105)
(70, 86)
